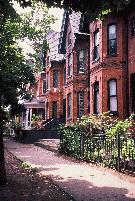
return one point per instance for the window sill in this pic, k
(114, 113)
(69, 119)
(69, 76)
(81, 73)
(96, 60)
(69, 45)
(113, 55)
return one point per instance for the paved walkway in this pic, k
(84, 182)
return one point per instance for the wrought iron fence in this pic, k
(116, 152)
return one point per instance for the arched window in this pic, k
(112, 95)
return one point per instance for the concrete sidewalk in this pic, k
(84, 182)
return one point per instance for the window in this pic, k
(96, 97)
(80, 103)
(81, 66)
(133, 26)
(112, 87)
(112, 42)
(69, 39)
(47, 80)
(64, 76)
(96, 45)
(70, 60)
(55, 79)
(54, 109)
(44, 86)
(69, 105)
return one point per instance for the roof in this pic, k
(53, 42)
(77, 21)
(34, 103)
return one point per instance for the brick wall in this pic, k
(108, 67)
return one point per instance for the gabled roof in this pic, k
(77, 21)
(53, 42)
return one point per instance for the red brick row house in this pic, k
(112, 64)
(90, 67)
(74, 43)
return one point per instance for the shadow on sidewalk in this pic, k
(86, 191)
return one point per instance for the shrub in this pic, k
(94, 131)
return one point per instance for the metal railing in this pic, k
(116, 152)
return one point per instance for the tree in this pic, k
(92, 8)
(15, 73)
(34, 26)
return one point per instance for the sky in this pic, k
(58, 14)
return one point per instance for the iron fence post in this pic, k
(118, 149)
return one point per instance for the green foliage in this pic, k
(70, 139)
(93, 8)
(33, 26)
(16, 125)
(27, 166)
(35, 117)
(94, 138)
(120, 127)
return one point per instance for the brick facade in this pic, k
(96, 74)
(108, 67)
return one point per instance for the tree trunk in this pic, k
(2, 158)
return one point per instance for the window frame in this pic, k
(108, 40)
(96, 47)
(47, 80)
(44, 90)
(69, 106)
(79, 62)
(55, 82)
(64, 76)
(70, 66)
(133, 26)
(78, 104)
(96, 101)
(110, 96)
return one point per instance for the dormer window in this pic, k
(96, 45)
(69, 39)
(133, 26)
(112, 40)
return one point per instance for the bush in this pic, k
(95, 131)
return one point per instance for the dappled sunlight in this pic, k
(72, 176)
